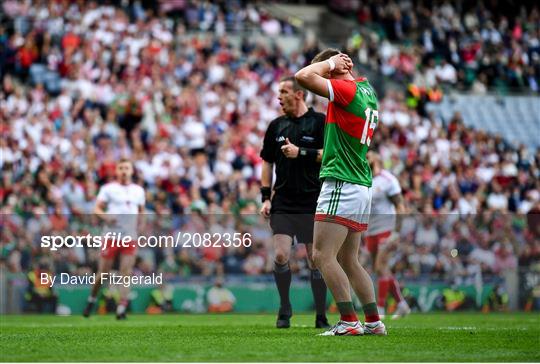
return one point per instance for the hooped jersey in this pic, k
(351, 118)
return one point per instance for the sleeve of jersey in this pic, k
(267, 151)
(394, 188)
(341, 92)
(142, 199)
(102, 195)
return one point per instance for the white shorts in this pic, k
(380, 223)
(344, 203)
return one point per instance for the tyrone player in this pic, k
(120, 205)
(344, 203)
(386, 202)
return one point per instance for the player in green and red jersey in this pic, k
(344, 203)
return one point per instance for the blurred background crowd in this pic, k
(85, 84)
(454, 44)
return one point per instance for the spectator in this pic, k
(219, 298)
(190, 110)
(491, 50)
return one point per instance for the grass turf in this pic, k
(211, 338)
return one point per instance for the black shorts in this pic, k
(294, 217)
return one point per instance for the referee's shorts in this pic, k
(294, 216)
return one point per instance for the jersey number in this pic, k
(372, 118)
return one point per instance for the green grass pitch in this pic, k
(235, 337)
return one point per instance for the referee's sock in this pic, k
(318, 287)
(282, 275)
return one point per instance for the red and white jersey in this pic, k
(122, 201)
(383, 211)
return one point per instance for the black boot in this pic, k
(321, 322)
(284, 317)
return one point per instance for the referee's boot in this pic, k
(321, 322)
(284, 317)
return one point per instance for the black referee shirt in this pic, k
(295, 177)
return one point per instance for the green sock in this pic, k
(370, 312)
(347, 312)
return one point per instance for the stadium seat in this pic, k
(489, 113)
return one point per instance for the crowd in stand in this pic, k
(465, 189)
(191, 111)
(472, 46)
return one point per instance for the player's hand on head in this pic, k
(265, 208)
(289, 149)
(348, 61)
(343, 63)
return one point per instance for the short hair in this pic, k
(295, 85)
(125, 160)
(324, 55)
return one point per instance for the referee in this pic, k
(293, 142)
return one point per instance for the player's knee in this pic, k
(282, 257)
(349, 263)
(318, 258)
(341, 260)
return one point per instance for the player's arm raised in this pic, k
(315, 76)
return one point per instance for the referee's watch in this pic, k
(266, 193)
(308, 153)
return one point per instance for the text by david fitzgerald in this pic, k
(106, 278)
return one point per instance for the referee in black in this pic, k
(293, 142)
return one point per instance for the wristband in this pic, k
(332, 64)
(308, 154)
(266, 193)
